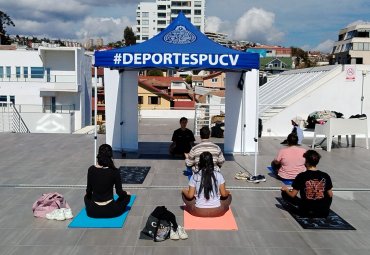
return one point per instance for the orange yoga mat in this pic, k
(225, 222)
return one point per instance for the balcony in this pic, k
(57, 83)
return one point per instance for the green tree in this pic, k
(189, 79)
(129, 36)
(301, 58)
(5, 20)
(155, 72)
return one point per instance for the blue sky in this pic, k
(310, 24)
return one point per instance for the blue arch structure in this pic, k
(180, 46)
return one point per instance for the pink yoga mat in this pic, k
(225, 222)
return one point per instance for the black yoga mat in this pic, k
(133, 174)
(332, 222)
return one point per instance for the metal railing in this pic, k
(5, 117)
(18, 125)
(44, 108)
(38, 78)
(207, 115)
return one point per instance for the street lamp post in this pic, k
(362, 89)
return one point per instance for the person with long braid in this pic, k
(206, 195)
(101, 178)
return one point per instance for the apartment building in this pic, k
(353, 45)
(49, 89)
(153, 17)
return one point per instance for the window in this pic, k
(37, 72)
(3, 98)
(161, 22)
(197, 19)
(12, 99)
(25, 72)
(18, 71)
(366, 46)
(145, 22)
(140, 100)
(154, 100)
(198, 12)
(8, 72)
(1, 72)
(214, 80)
(145, 30)
(145, 38)
(197, 3)
(145, 14)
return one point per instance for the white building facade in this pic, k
(152, 18)
(49, 89)
(353, 45)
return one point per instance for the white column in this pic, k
(121, 94)
(112, 110)
(129, 110)
(241, 113)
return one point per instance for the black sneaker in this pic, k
(261, 178)
(253, 179)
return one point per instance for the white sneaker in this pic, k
(174, 235)
(67, 213)
(181, 232)
(57, 214)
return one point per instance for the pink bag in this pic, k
(47, 203)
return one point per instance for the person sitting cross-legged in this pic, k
(289, 161)
(182, 139)
(315, 188)
(101, 179)
(206, 195)
(192, 158)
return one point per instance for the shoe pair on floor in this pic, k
(179, 234)
(246, 176)
(256, 179)
(60, 214)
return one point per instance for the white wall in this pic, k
(336, 95)
(48, 123)
(121, 109)
(63, 61)
(167, 114)
(241, 111)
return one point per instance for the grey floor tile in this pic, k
(279, 239)
(11, 236)
(6, 249)
(160, 250)
(343, 251)
(102, 250)
(342, 239)
(222, 250)
(284, 251)
(42, 249)
(52, 237)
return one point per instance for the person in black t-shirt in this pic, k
(315, 189)
(101, 179)
(182, 139)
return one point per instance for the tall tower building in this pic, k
(152, 18)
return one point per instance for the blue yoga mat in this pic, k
(285, 181)
(84, 221)
(188, 173)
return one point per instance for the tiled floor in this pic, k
(32, 164)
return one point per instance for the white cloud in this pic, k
(257, 25)
(110, 29)
(357, 22)
(325, 46)
(213, 24)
